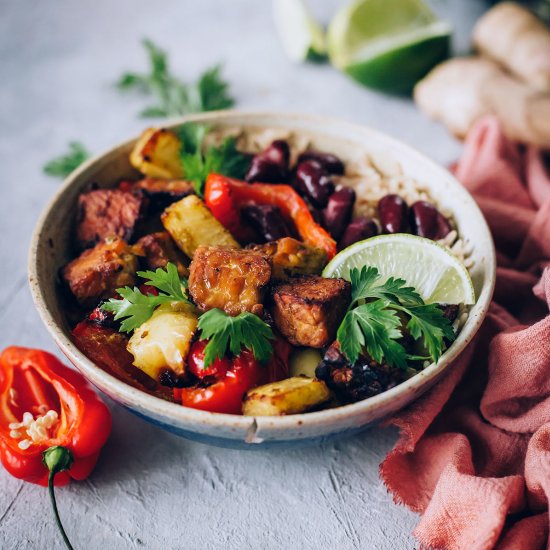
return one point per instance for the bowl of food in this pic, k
(262, 279)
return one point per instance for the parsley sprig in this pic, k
(198, 163)
(135, 307)
(374, 321)
(173, 96)
(62, 166)
(225, 333)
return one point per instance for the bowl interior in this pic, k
(51, 249)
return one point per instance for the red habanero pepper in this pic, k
(224, 197)
(52, 424)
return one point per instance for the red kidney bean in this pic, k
(337, 214)
(331, 163)
(427, 221)
(358, 230)
(393, 213)
(266, 220)
(313, 181)
(271, 165)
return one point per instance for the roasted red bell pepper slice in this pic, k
(225, 196)
(35, 382)
(231, 378)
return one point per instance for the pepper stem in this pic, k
(57, 459)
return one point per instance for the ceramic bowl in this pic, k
(50, 249)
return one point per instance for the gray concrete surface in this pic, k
(58, 60)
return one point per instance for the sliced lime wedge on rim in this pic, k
(431, 269)
(388, 48)
(300, 34)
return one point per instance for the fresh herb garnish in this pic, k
(136, 308)
(173, 96)
(62, 166)
(377, 313)
(198, 163)
(224, 333)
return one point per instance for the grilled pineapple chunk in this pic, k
(191, 225)
(290, 396)
(163, 341)
(157, 154)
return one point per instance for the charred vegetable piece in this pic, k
(331, 163)
(427, 221)
(291, 396)
(163, 341)
(358, 230)
(106, 347)
(291, 258)
(353, 383)
(159, 249)
(107, 213)
(157, 154)
(394, 214)
(191, 224)
(337, 213)
(314, 182)
(225, 196)
(266, 219)
(161, 193)
(229, 279)
(271, 165)
(99, 271)
(307, 311)
(223, 394)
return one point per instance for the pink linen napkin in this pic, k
(474, 452)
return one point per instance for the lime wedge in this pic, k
(425, 265)
(302, 37)
(387, 48)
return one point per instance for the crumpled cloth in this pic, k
(474, 453)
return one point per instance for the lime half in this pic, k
(387, 47)
(300, 34)
(425, 265)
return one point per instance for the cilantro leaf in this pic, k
(427, 321)
(225, 333)
(173, 96)
(136, 308)
(167, 280)
(213, 90)
(363, 287)
(377, 312)
(375, 327)
(62, 166)
(197, 165)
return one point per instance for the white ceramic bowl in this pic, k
(50, 246)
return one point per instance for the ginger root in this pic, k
(460, 91)
(514, 37)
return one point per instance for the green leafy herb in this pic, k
(135, 307)
(224, 333)
(173, 96)
(377, 313)
(62, 166)
(198, 164)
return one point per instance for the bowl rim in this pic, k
(180, 414)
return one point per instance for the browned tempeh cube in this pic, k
(229, 279)
(100, 270)
(159, 249)
(308, 310)
(107, 213)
